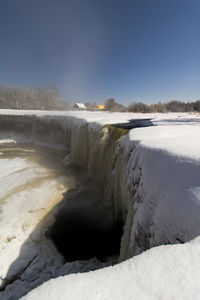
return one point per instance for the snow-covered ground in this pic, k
(164, 272)
(29, 192)
(155, 183)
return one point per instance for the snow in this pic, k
(80, 105)
(166, 181)
(14, 138)
(165, 272)
(106, 117)
(29, 192)
(180, 141)
(156, 172)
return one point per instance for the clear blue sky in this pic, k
(132, 50)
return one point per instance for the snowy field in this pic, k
(155, 182)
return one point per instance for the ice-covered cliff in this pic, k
(149, 178)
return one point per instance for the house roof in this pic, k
(80, 105)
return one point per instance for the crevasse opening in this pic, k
(81, 231)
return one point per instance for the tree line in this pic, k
(171, 106)
(15, 97)
(47, 98)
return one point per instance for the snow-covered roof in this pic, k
(80, 105)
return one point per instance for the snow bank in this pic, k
(162, 174)
(165, 272)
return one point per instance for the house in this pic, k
(79, 106)
(100, 107)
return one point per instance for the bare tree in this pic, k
(112, 105)
(139, 107)
(30, 98)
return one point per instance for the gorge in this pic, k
(106, 194)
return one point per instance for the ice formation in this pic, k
(150, 181)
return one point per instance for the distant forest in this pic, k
(48, 98)
(15, 97)
(172, 106)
